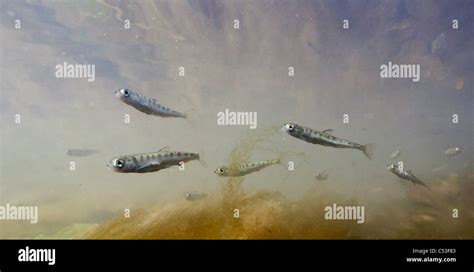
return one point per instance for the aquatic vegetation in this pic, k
(270, 215)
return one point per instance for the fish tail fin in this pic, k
(201, 160)
(190, 118)
(368, 150)
(191, 111)
(423, 184)
(279, 159)
(419, 182)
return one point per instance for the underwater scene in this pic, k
(236, 119)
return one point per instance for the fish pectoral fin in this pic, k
(328, 131)
(149, 166)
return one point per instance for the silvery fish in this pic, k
(195, 196)
(146, 105)
(321, 175)
(325, 138)
(408, 175)
(451, 152)
(150, 162)
(244, 168)
(81, 152)
(439, 45)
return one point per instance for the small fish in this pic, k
(451, 152)
(194, 196)
(146, 105)
(325, 138)
(395, 154)
(408, 175)
(439, 45)
(150, 162)
(81, 152)
(244, 168)
(439, 168)
(401, 25)
(321, 175)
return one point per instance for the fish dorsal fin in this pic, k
(328, 131)
(164, 149)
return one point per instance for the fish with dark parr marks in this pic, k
(192, 196)
(451, 152)
(323, 175)
(150, 162)
(244, 168)
(325, 138)
(146, 105)
(405, 174)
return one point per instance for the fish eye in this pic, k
(221, 170)
(119, 163)
(125, 92)
(290, 126)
